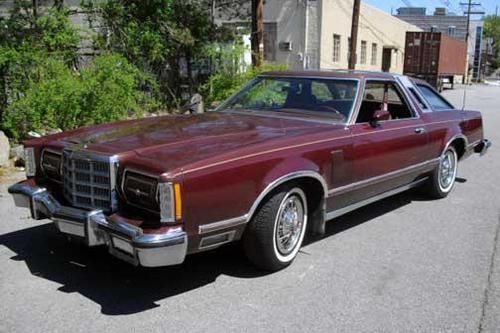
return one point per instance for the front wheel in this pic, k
(443, 177)
(275, 233)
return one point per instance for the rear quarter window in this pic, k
(433, 98)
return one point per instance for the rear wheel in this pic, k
(275, 233)
(443, 177)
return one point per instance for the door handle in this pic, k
(419, 130)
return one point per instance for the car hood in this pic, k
(175, 141)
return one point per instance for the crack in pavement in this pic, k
(489, 282)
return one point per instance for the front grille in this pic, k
(89, 181)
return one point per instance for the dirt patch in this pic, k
(11, 175)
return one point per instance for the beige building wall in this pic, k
(375, 27)
(290, 19)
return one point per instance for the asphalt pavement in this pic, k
(405, 264)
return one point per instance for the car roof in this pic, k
(337, 73)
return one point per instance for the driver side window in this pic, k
(383, 95)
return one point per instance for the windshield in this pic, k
(331, 98)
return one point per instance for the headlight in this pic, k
(141, 190)
(51, 164)
(30, 163)
(146, 192)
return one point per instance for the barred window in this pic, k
(374, 53)
(363, 52)
(336, 48)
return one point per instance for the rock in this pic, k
(16, 152)
(4, 150)
(197, 105)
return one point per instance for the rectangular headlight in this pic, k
(30, 163)
(51, 164)
(146, 192)
(141, 190)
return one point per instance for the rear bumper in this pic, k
(123, 240)
(482, 147)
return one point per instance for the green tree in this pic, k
(492, 30)
(161, 37)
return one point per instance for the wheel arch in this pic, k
(294, 176)
(459, 142)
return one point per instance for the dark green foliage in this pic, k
(60, 97)
(41, 87)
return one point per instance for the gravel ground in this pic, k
(405, 264)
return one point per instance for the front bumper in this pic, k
(123, 240)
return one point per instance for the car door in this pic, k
(389, 154)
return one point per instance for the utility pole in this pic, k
(257, 32)
(354, 34)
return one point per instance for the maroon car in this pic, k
(288, 152)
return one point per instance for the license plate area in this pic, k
(70, 227)
(122, 245)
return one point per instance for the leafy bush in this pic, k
(222, 85)
(58, 97)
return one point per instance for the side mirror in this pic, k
(378, 116)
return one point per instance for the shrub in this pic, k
(59, 97)
(222, 85)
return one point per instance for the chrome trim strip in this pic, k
(224, 224)
(345, 210)
(380, 178)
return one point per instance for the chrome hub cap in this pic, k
(447, 170)
(290, 224)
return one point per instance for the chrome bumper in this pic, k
(482, 147)
(123, 240)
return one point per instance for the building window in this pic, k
(363, 52)
(270, 36)
(452, 30)
(336, 48)
(374, 53)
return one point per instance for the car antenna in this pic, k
(465, 95)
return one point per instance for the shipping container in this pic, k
(434, 57)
